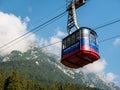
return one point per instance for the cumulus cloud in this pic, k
(116, 41)
(12, 27)
(96, 67)
(56, 47)
(111, 76)
(27, 19)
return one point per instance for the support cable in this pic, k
(51, 20)
(39, 27)
(107, 24)
(107, 39)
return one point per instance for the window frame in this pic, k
(93, 38)
(64, 44)
(68, 43)
(73, 38)
(77, 35)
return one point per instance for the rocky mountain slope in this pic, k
(46, 67)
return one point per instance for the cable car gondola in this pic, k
(80, 48)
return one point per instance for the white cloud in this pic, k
(43, 42)
(110, 76)
(60, 34)
(12, 27)
(96, 67)
(27, 19)
(56, 47)
(116, 42)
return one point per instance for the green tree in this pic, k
(56, 86)
(2, 80)
(13, 82)
(38, 86)
(23, 82)
(67, 86)
(30, 85)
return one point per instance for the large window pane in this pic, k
(92, 39)
(77, 35)
(64, 44)
(73, 39)
(68, 41)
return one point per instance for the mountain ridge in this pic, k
(37, 62)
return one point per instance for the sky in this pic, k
(20, 16)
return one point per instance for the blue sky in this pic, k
(93, 14)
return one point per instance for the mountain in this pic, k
(46, 67)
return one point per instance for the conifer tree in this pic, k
(13, 82)
(30, 85)
(23, 82)
(2, 80)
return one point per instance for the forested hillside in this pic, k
(16, 81)
(39, 70)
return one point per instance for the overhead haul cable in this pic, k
(98, 27)
(107, 39)
(39, 27)
(107, 24)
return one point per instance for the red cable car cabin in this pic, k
(80, 48)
